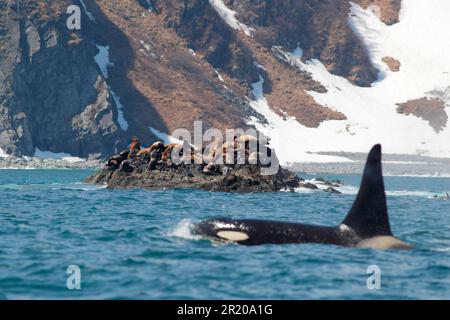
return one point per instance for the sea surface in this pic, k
(137, 244)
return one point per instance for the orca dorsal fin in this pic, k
(369, 215)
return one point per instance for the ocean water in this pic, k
(136, 244)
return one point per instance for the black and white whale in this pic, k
(365, 226)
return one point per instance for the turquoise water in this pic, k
(136, 244)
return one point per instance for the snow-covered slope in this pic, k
(421, 44)
(57, 156)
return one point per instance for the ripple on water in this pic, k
(139, 244)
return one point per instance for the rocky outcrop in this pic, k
(237, 178)
(393, 64)
(52, 95)
(320, 28)
(429, 109)
(242, 178)
(388, 10)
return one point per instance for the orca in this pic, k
(365, 226)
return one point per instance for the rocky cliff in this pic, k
(140, 64)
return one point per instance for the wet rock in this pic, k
(309, 185)
(244, 178)
(332, 190)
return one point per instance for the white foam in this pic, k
(228, 16)
(353, 190)
(409, 193)
(184, 230)
(300, 190)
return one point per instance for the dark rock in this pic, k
(309, 185)
(332, 190)
(246, 178)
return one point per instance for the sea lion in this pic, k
(158, 145)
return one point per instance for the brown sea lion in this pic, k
(155, 146)
(167, 154)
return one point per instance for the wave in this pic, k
(353, 190)
(54, 186)
(81, 187)
(184, 230)
(447, 249)
(408, 193)
(437, 175)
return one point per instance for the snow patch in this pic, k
(218, 75)
(102, 60)
(146, 46)
(166, 138)
(57, 156)
(123, 123)
(88, 13)
(283, 132)
(418, 41)
(228, 16)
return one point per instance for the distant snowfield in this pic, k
(57, 156)
(421, 43)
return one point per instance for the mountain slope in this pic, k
(307, 73)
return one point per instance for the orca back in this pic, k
(368, 216)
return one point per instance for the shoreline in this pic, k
(397, 165)
(394, 165)
(36, 163)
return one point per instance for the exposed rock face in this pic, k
(171, 62)
(319, 27)
(429, 109)
(387, 9)
(51, 94)
(243, 178)
(393, 64)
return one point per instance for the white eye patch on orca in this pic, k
(233, 235)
